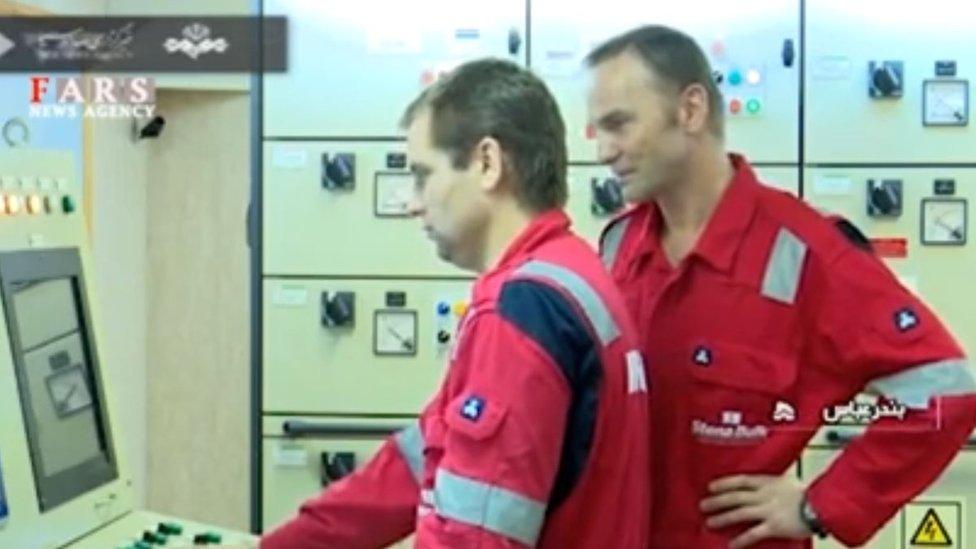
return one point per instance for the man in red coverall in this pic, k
(747, 301)
(538, 434)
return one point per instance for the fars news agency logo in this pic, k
(92, 97)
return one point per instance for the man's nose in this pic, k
(415, 207)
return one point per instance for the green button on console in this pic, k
(169, 528)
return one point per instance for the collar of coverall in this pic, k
(726, 228)
(542, 227)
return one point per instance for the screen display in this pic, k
(57, 374)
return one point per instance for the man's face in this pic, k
(637, 130)
(449, 201)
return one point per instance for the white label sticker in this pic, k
(289, 158)
(393, 40)
(831, 67)
(561, 63)
(464, 40)
(289, 455)
(832, 185)
(290, 296)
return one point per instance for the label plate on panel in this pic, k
(831, 67)
(289, 455)
(890, 247)
(289, 158)
(832, 185)
(290, 296)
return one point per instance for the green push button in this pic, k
(153, 538)
(68, 204)
(753, 106)
(207, 538)
(169, 528)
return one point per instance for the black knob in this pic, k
(718, 77)
(443, 336)
(886, 79)
(336, 466)
(607, 197)
(884, 198)
(339, 171)
(514, 41)
(338, 309)
(788, 53)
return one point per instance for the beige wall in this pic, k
(118, 169)
(172, 276)
(198, 342)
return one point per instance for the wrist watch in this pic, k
(810, 518)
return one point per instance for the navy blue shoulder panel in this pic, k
(549, 317)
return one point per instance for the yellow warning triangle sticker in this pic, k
(931, 532)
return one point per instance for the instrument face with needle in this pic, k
(944, 221)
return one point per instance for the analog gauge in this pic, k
(394, 190)
(944, 221)
(395, 332)
(69, 391)
(946, 102)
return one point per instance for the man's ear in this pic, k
(693, 108)
(488, 158)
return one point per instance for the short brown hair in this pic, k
(492, 97)
(674, 57)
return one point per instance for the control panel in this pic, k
(368, 346)
(753, 47)
(354, 66)
(62, 481)
(888, 83)
(340, 208)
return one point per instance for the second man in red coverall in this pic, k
(538, 434)
(756, 313)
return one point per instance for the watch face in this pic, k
(811, 520)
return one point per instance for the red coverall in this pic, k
(775, 308)
(538, 434)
